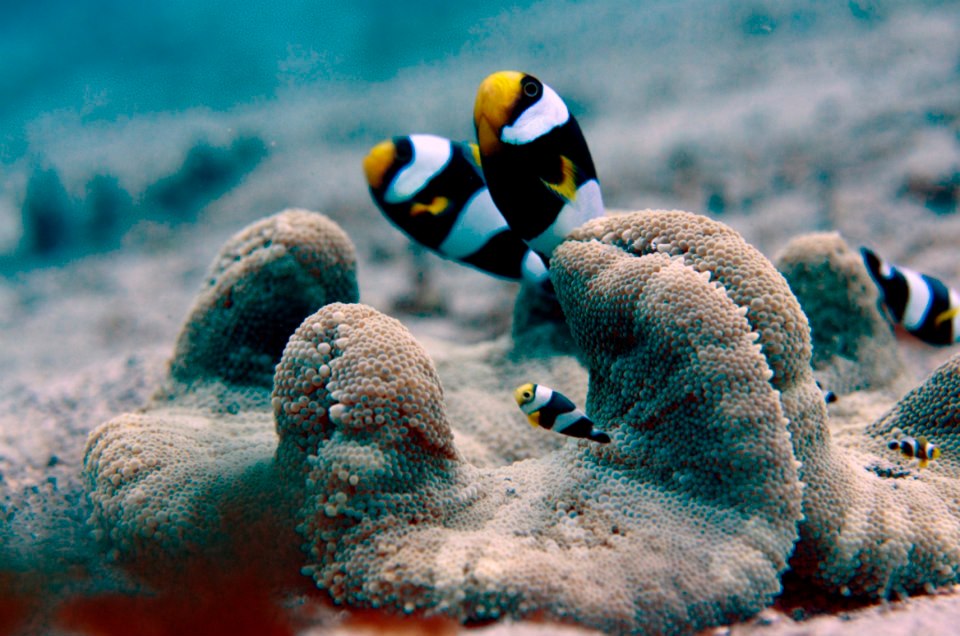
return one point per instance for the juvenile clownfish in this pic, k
(535, 159)
(919, 447)
(925, 307)
(432, 189)
(554, 411)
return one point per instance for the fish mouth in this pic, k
(497, 98)
(377, 162)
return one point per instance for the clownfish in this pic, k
(919, 447)
(925, 307)
(432, 189)
(534, 159)
(554, 411)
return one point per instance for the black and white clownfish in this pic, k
(925, 307)
(535, 159)
(432, 189)
(916, 447)
(554, 411)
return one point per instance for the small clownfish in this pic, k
(535, 159)
(919, 447)
(432, 189)
(554, 411)
(925, 307)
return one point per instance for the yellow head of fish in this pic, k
(378, 161)
(497, 98)
(524, 393)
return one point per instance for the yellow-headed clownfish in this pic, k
(432, 189)
(535, 159)
(554, 411)
(925, 307)
(918, 447)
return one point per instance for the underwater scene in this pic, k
(507, 318)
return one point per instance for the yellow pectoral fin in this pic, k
(567, 188)
(534, 419)
(944, 316)
(435, 207)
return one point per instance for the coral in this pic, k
(864, 532)
(853, 344)
(350, 368)
(884, 526)
(265, 280)
(175, 483)
(752, 283)
(931, 410)
(193, 473)
(762, 295)
(677, 525)
(875, 526)
(411, 482)
(745, 274)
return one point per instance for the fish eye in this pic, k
(527, 395)
(530, 88)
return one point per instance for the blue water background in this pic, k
(107, 59)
